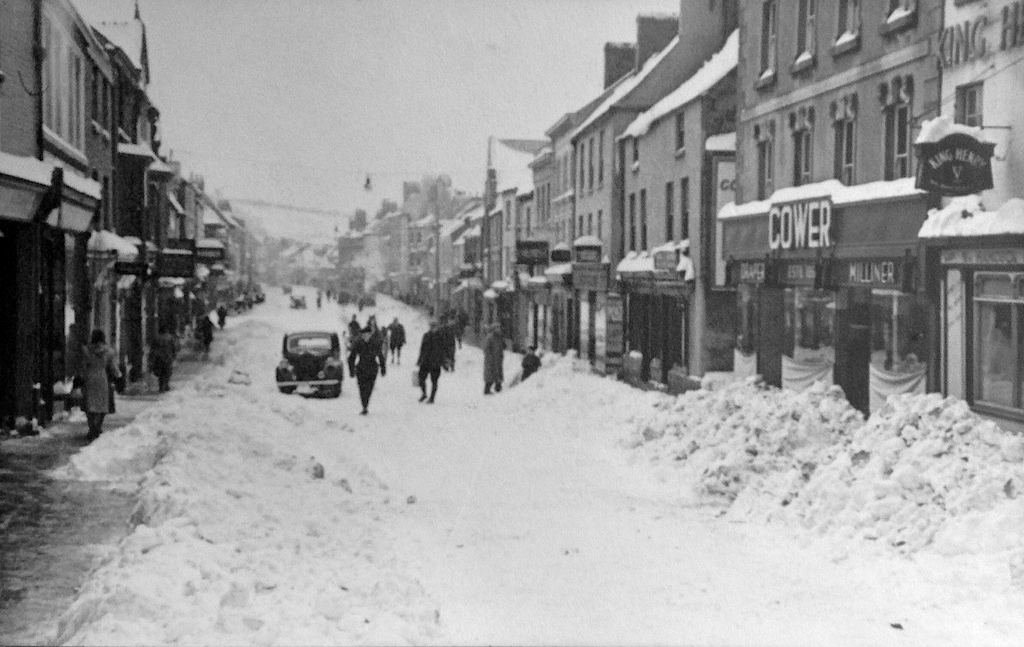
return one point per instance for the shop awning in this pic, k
(502, 286)
(107, 242)
(964, 217)
(209, 243)
(636, 264)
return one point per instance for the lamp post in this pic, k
(437, 265)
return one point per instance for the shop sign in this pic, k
(177, 263)
(532, 252)
(561, 255)
(133, 268)
(752, 272)
(800, 273)
(1005, 256)
(957, 164)
(666, 260)
(963, 42)
(591, 277)
(874, 273)
(588, 254)
(210, 254)
(725, 192)
(800, 225)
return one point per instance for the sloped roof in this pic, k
(714, 70)
(626, 85)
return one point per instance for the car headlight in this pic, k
(321, 375)
(284, 365)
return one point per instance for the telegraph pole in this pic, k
(437, 264)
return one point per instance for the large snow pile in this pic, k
(923, 471)
(739, 439)
(917, 470)
(246, 532)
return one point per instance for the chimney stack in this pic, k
(653, 33)
(619, 59)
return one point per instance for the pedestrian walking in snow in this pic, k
(433, 356)
(99, 372)
(365, 360)
(205, 333)
(531, 362)
(447, 331)
(222, 315)
(353, 330)
(461, 321)
(396, 341)
(494, 355)
(319, 299)
(162, 351)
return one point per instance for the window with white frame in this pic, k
(849, 20)
(764, 134)
(801, 122)
(805, 31)
(64, 107)
(844, 122)
(999, 339)
(769, 38)
(968, 105)
(896, 99)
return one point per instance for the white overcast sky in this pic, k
(298, 100)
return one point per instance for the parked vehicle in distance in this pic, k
(311, 364)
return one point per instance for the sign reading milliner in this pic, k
(800, 225)
(957, 164)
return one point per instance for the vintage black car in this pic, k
(311, 364)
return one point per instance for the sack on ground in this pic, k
(416, 378)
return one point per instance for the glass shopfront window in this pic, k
(810, 325)
(999, 338)
(897, 332)
(746, 333)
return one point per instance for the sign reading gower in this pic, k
(800, 225)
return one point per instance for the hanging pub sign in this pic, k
(561, 254)
(806, 224)
(957, 164)
(666, 260)
(210, 254)
(532, 252)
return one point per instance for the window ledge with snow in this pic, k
(635, 167)
(766, 80)
(847, 42)
(803, 62)
(680, 152)
(900, 19)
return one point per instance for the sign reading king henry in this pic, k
(800, 225)
(957, 164)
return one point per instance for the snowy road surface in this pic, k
(517, 518)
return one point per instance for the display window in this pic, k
(746, 333)
(999, 338)
(897, 332)
(810, 325)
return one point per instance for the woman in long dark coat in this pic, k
(494, 356)
(365, 359)
(99, 369)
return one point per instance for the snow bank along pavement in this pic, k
(925, 473)
(244, 535)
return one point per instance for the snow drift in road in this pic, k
(925, 471)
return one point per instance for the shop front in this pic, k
(976, 259)
(563, 303)
(590, 284)
(657, 287)
(827, 289)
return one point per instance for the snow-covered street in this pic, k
(533, 516)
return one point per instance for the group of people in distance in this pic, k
(368, 350)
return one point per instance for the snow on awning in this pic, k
(724, 143)
(934, 130)
(125, 282)
(490, 294)
(170, 281)
(175, 204)
(636, 263)
(587, 241)
(135, 240)
(41, 173)
(106, 242)
(136, 150)
(538, 281)
(562, 269)
(209, 243)
(685, 268)
(966, 217)
(501, 286)
(202, 271)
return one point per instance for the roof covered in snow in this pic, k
(966, 217)
(840, 194)
(38, 172)
(626, 85)
(714, 70)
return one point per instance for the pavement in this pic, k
(52, 532)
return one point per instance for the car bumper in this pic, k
(325, 382)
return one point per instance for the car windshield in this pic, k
(319, 344)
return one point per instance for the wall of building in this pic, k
(18, 108)
(834, 75)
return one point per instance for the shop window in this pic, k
(968, 105)
(810, 325)
(999, 339)
(747, 324)
(897, 332)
